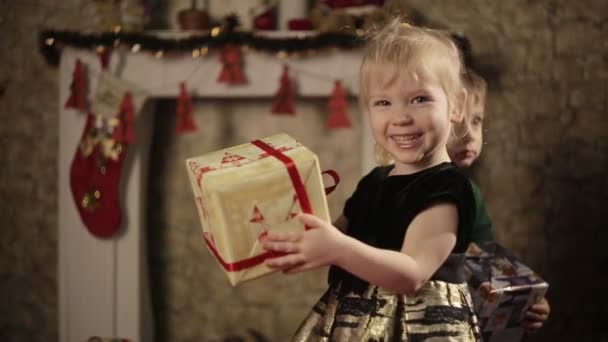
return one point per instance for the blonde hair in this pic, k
(477, 89)
(420, 52)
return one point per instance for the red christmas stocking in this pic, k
(283, 99)
(337, 106)
(94, 179)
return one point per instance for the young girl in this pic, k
(397, 271)
(464, 148)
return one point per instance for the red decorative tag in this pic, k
(337, 106)
(283, 99)
(125, 132)
(185, 121)
(232, 63)
(78, 88)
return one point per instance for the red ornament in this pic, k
(185, 120)
(302, 24)
(104, 57)
(95, 177)
(337, 106)
(78, 87)
(283, 99)
(232, 63)
(125, 132)
(266, 20)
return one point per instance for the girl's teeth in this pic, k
(404, 139)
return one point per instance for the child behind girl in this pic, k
(465, 145)
(464, 148)
(396, 252)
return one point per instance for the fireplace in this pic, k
(104, 283)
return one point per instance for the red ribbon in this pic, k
(298, 185)
(293, 174)
(241, 264)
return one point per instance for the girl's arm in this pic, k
(429, 240)
(341, 223)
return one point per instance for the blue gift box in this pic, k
(502, 288)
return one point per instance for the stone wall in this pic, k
(543, 173)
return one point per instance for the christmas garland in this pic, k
(51, 42)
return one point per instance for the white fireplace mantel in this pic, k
(103, 287)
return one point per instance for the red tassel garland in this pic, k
(232, 63)
(78, 86)
(337, 106)
(283, 99)
(185, 120)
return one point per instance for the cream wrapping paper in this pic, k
(243, 191)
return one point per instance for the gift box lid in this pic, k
(491, 262)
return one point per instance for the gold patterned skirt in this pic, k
(439, 311)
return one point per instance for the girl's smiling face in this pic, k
(409, 118)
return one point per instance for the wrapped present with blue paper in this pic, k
(503, 288)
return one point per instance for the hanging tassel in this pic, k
(125, 131)
(232, 63)
(185, 121)
(283, 99)
(104, 56)
(337, 106)
(77, 88)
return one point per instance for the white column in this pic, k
(86, 264)
(290, 9)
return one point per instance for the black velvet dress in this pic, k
(379, 213)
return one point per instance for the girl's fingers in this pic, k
(535, 316)
(531, 326)
(539, 309)
(285, 262)
(281, 236)
(280, 246)
(310, 220)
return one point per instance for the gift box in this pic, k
(246, 190)
(503, 289)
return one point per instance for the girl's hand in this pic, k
(536, 316)
(318, 246)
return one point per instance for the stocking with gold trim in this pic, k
(95, 176)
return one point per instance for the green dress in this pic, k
(378, 213)
(482, 226)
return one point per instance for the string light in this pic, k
(215, 31)
(52, 42)
(196, 53)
